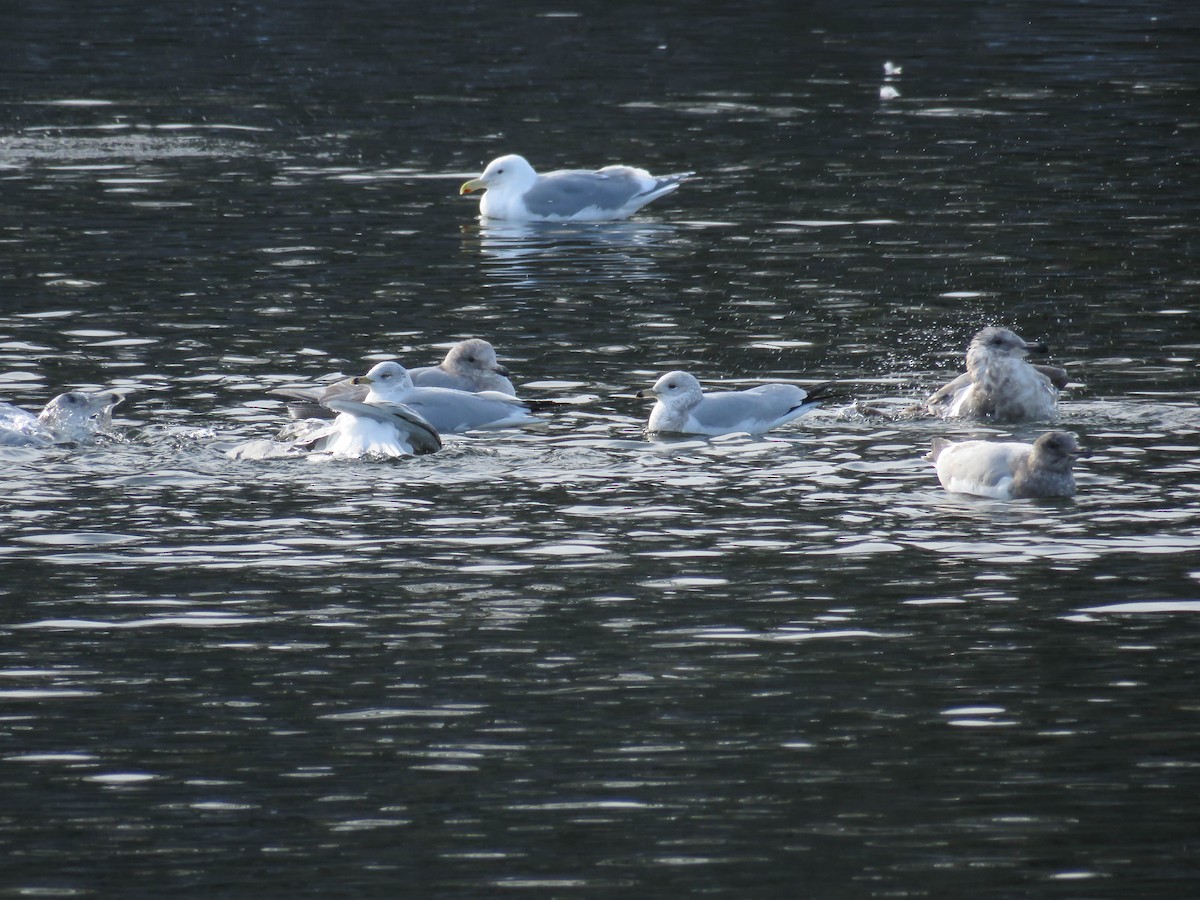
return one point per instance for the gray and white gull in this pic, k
(469, 365)
(682, 407)
(448, 410)
(517, 193)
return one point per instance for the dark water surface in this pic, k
(574, 663)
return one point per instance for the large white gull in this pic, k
(1008, 470)
(682, 407)
(517, 193)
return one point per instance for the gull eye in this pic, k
(72, 398)
(499, 171)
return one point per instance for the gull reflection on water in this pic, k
(513, 251)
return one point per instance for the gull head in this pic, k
(1056, 451)
(1002, 342)
(80, 410)
(504, 171)
(387, 381)
(474, 353)
(672, 388)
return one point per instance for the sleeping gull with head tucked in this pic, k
(1008, 470)
(682, 407)
(999, 384)
(470, 365)
(515, 192)
(448, 410)
(69, 417)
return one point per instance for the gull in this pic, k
(891, 70)
(682, 407)
(1008, 470)
(999, 384)
(375, 428)
(366, 427)
(69, 417)
(470, 365)
(448, 410)
(514, 191)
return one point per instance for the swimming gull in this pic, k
(69, 417)
(514, 191)
(448, 410)
(682, 407)
(999, 384)
(470, 365)
(1008, 470)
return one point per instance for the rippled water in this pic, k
(574, 662)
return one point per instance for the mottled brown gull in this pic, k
(999, 383)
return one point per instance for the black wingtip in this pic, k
(826, 390)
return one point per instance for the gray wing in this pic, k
(947, 391)
(1058, 376)
(612, 189)
(308, 402)
(420, 433)
(752, 409)
(452, 412)
(435, 376)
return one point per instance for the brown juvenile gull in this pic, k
(1008, 470)
(470, 365)
(682, 407)
(516, 193)
(999, 384)
(73, 416)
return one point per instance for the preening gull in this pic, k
(374, 429)
(470, 365)
(448, 410)
(362, 427)
(682, 407)
(1008, 470)
(514, 191)
(73, 416)
(999, 384)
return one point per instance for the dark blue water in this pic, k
(572, 662)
